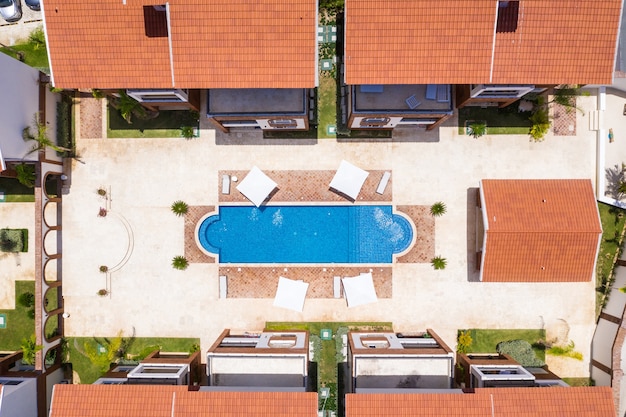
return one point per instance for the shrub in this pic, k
(188, 132)
(464, 341)
(64, 138)
(37, 38)
(97, 94)
(521, 351)
(180, 262)
(102, 292)
(13, 240)
(541, 124)
(26, 175)
(567, 351)
(102, 192)
(439, 262)
(180, 208)
(104, 268)
(438, 209)
(26, 299)
(477, 129)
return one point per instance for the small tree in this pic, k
(180, 208)
(29, 349)
(540, 124)
(180, 262)
(477, 129)
(188, 132)
(439, 262)
(26, 299)
(438, 209)
(40, 136)
(128, 106)
(26, 174)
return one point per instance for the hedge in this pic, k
(13, 240)
(521, 351)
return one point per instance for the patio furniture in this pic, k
(290, 294)
(225, 184)
(349, 180)
(412, 102)
(256, 186)
(431, 92)
(443, 93)
(359, 290)
(337, 287)
(382, 185)
(223, 286)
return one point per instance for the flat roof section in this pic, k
(239, 101)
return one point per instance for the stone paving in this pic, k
(192, 251)
(147, 175)
(261, 282)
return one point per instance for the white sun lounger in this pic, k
(225, 184)
(383, 182)
(223, 286)
(337, 287)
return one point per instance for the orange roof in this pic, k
(214, 44)
(452, 42)
(176, 401)
(506, 402)
(539, 230)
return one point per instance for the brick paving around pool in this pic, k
(262, 281)
(306, 186)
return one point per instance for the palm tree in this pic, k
(180, 262)
(438, 262)
(29, 349)
(26, 174)
(40, 137)
(180, 208)
(438, 209)
(128, 106)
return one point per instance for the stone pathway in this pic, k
(261, 282)
(90, 117)
(423, 249)
(563, 120)
(192, 251)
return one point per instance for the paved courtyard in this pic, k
(145, 176)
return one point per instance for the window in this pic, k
(374, 121)
(283, 123)
(499, 91)
(159, 96)
(155, 21)
(507, 16)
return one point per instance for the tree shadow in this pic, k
(614, 179)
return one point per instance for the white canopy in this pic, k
(359, 290)
(256, 186)
(290, 294)
(349, 179)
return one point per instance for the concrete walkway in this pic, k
(146, 175)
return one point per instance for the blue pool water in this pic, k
(305, 234)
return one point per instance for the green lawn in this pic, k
(613, 220)
(15, 192)
(18, 324)
(327, 105)
(34, 56)
(486, 340)
(166, 125)
(500, 121)
(328, 357)
(88, 373)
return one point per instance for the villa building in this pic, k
(274, 361)
(385, 361)
(537, 231)
(420, 55)
(257, 61)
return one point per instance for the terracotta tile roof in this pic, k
(452, 42)
(215, 44)
(507, 402)
(176, 401)
(539, 230)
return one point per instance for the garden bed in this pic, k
(166, 125)
(500, 121)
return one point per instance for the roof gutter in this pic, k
(169, 41)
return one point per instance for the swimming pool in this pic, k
(305, 234)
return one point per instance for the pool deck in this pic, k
(146, 176)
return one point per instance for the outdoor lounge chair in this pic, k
(225, 184)
(382, 185)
